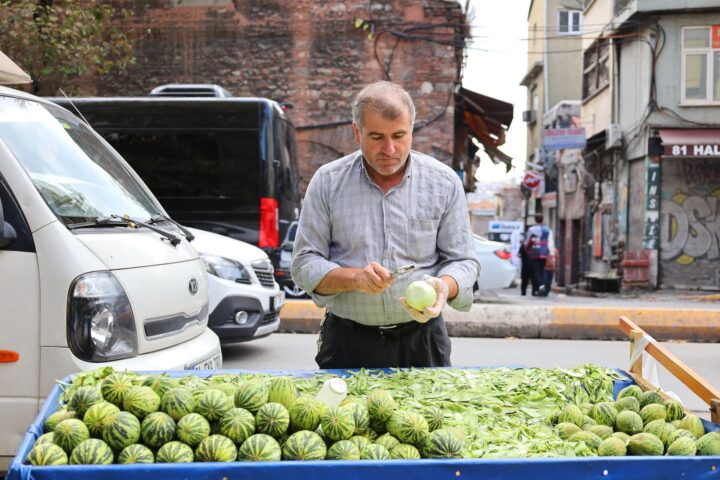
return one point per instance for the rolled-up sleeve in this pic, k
(457, 248)
(311, 249)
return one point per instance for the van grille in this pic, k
(265, 276)
(269, 318)
(165, 326)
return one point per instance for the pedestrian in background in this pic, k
(538, 245)
(383, 207)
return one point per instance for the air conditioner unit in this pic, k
(529, 116)
(613, 136)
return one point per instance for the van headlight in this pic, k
(101, 324)
(226, 268)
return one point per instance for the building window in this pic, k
(596, 67)
(701, 65)
(569, 22)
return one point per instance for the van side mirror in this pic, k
(7, 232)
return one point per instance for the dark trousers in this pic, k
(347, 344)
(524, 275)
(537, 272)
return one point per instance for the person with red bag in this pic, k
(538, 247)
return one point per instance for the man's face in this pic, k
(384, 143)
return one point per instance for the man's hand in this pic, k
(441, 290)
(372, 279)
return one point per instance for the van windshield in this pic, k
(78, 174)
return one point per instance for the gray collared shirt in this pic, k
(347, 221)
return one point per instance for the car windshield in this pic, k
(78, 175)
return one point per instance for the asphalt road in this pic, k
(297, 352)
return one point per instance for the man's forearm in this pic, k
(452, 286)
(338, 280)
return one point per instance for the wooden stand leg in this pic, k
(715, 410)
(636, 367)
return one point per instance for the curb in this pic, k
(552, 322)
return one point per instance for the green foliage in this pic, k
(64, 39)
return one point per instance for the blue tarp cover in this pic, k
(631, 468)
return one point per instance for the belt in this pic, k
(396, 328)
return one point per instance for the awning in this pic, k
(487, 119)
(11, 74)
(690, 142)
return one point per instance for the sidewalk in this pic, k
(666, 315)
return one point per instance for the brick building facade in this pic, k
(312, 54)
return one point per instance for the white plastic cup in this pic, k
(333, 392)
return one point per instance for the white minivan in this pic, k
(92, 271)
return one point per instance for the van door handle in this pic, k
(276, 163)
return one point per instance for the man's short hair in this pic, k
(382, 97)
(539, 218)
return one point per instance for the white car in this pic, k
(496, 268)
(245, 300)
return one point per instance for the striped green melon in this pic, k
(661, 429)
(676, 423)
(693, 424)
(360, 441)
(96, 415)
(387, 441)
(380, 405)
(408, 427)
(91, 452)
(343, 450)
(45, 454)
(645, 444)
(282, 390)
(157, 429)
(361, 416)
(160, 383)
(52, 420)
(259, 448)
(586, 407)
(435, 418)
(216, 448)
(114, 387)
(237, 424)
(404, 451)
(708, 444)
(602, 431)
(228, 389)
(306, 412)
(627, 403)
(604, 413)
(272, 419)
(630, 391)
(177, 402)
(213, 404)
(84, 398)
(612, 447)
(304, 445)
(444, 443)
(588, 422)
(588, 438)
(44, 438)
(141, 401)
(374, 452)
(69, 433)
(136, 453)
(566, 429)
(683, 446)
(652, 411)
(192, 428)
(338, 423)
(679, 432)
(121, 430)
(251, 395)
(622, 436)
(648, 398)
(629, 422)
(674, 410)
(572, 414)
(174, 452)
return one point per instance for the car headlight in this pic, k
(226, 268)
(100, 322)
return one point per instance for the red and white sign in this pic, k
(716, 36)
(532, 180)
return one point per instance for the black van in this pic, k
(227, 165)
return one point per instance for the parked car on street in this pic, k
(245, 301)
(282, 273)
(496, 268)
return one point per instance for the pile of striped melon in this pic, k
(131, 419)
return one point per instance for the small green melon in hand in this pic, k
(420, 294)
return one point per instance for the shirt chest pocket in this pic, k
(422, 237)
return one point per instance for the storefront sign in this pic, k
(690, 150)
(562, 138)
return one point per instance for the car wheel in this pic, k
(294, 291)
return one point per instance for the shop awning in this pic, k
(690, 142)
(487, 119)
(11, 74)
